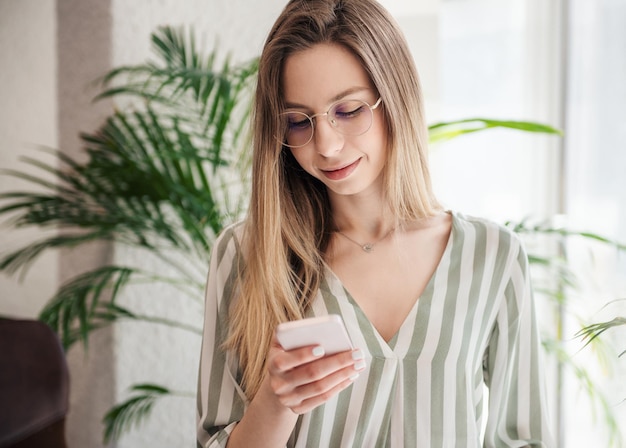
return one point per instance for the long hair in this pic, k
(289, 225)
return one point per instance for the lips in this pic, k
(341, 173)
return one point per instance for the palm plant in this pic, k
(164, 175)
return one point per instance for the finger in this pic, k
(283, 361)
(321, 387)
(311, 403)
(319, 369)
(284, 382)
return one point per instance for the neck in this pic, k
(366, 217)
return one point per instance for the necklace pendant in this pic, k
(367, 247)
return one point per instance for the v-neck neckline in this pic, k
(334, 280)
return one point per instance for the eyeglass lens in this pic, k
(350, 117)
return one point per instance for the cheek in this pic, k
(379, 143)
(379, 133)
(301, 159)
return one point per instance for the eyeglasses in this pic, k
(348, 117)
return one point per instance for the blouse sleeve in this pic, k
(517, 415)
(220, 399)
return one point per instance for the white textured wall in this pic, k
(237, 26)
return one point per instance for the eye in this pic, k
(348, 110)
(297, 121)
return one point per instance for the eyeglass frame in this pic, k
(333, 125)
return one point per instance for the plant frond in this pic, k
(444, 131)
(146, 177)
(22, 258)
(547, 229)
(591, 332)
(132, 412)
(596, 396)
(87, 303)
(181, 71)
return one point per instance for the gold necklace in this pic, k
(367, 247)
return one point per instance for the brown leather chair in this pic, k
(34, 386)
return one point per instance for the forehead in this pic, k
(322, 74)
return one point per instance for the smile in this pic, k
(341, 173)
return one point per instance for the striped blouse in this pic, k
(474, 325)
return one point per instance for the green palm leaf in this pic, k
(598, 399)
(132, 412)
(21, 259)
(547, 229)
(590, 332)
(443, 131)
(87, 302)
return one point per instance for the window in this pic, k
(564, 66)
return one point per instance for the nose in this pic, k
(328, 141)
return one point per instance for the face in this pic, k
(314, 80)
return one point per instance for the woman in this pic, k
(342, 220)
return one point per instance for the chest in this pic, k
(387, 296)
(387, 282)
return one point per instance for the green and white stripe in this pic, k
(473, 325)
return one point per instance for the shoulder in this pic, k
(464, 222)
(225, 265)
(487, 234)
(228, 242)
(492, 246)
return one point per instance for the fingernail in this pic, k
(360, 365)
(354, 377)
(357, 354)
(318, 351)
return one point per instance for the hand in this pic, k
(304, 378)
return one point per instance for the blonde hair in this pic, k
(289, 223)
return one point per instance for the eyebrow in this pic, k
(337, 97)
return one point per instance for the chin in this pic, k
(347, 190)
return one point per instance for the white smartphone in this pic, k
(328, 332)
